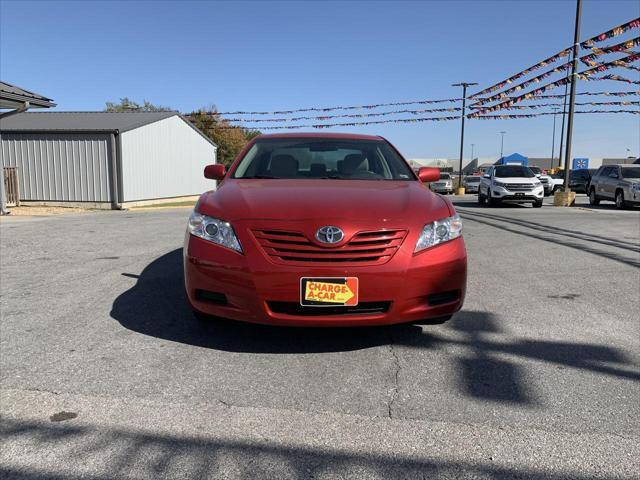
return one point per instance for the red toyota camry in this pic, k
(324, 230)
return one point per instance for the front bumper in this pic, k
(250, 283)
(511, 196)
(442, 188)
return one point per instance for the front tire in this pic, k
(537, 204)
(620, 203)
(493, 202)
(593, 198)
(481, 198)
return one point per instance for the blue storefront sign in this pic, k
(580, 164)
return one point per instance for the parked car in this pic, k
(545, 179)
(557, 181)
(579, 180)
(324, 230)
(471, 183)
(617, 183)
(443, 185)
(510, 183)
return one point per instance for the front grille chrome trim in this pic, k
(371, 247)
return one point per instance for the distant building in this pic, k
(105, 159)
(618, 161)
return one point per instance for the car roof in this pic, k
(341, 136)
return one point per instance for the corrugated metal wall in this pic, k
(59, 167)
(165, 159)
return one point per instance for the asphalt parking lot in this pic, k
(105, 374)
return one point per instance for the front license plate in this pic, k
(329, 292)
(519, 194)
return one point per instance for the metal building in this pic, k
(105, 159)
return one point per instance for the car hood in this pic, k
(361, 200)
(516, 179)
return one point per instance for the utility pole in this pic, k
(502, 144)
(553, 137)
(473, 144)
(572, 99)
(464, 86)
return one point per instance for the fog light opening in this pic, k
(443, 297)
(211, 297)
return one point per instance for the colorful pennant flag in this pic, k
(614, 32)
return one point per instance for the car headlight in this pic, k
(635, 186)
(439, 231)
(213, 230)
(537, 183)
(498, 184)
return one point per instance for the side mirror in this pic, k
(215, 172)
(428, 174)
(486, 176)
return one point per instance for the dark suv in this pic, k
(617, 183)
(579, 180)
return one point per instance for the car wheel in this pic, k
(593, 198)
(620, 203)
(537, 204)
(555, 189)
(481, 198)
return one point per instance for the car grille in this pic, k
(519, 187)
(544, 180)
(363, 308)
(364, 248)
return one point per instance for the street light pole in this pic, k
(473, 144)
(553, 137)
(572, 96)
(464, 86)
(502, 144)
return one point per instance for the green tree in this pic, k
(128, 105)
(230, 139)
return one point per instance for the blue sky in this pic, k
(284, 55)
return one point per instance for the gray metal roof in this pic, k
(81, 121)
(13, 97)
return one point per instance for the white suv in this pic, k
(444, 185)
(510, 183)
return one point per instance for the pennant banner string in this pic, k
(542, 105)
(351, 107)
(427, 119)
(557, 83)
(616, 78)
(346, 115)
(614, 32)
(374, 114)
(589, 60)
(531, 115)
(548, 73)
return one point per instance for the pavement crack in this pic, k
(396, 373)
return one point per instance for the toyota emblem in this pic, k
(329, 234)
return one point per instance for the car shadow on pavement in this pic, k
(156, 306)
(73, 451)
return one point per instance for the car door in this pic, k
(485, 182)
(612, 182)
(601, 184)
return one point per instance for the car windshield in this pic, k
(535, 170)
(445, 176)
(323, 158)
(630, 172)
(472, 179)
(513, 171)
